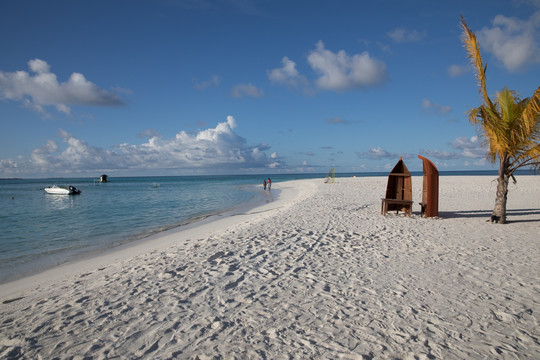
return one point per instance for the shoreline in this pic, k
(44, 262)
(319, 273)
(191, 228)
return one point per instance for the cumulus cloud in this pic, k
(77, 155)
(212, 149)
(40, 88)
(243, 90)
(401, 35)
(340, 71)
(512, 41)
(8, 165)
(287, 75)
(467, 148)
(336, 71)
(433, 108)
(472, 147)
(275, 161)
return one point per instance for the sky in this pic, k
(184, 87)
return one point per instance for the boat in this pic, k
(62, 190)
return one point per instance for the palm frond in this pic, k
(475, 57)
(530, 157)
(531, 113)
(474, 116)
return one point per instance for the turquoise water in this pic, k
(39, 231)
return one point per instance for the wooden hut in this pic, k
(430, 189)
(398, 190)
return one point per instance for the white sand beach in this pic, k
(318, 273)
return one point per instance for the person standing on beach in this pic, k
(264, 184)
(269, 183)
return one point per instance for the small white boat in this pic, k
(62, 190)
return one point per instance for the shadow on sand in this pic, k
(512, 216)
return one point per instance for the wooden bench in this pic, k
(407, 205)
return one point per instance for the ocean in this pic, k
(39, 231)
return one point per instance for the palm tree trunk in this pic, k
(499, 212)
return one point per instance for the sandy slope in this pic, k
(321, 275)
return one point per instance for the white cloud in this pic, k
(287, 74)
(340, 71)
(430, 107)
(512, 41)
(472, 147)
(39, 66)
(402, 35)
(231, 121)
(213, 81)
(40, 154)
(376, 154)
(40, 88)
(457, 70)
(8, 165)
(467, 148)
(336, 71)
(276, 162)
(209, 150)
(243, 90)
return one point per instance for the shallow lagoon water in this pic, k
(40, 230)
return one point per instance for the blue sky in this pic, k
(178, 87)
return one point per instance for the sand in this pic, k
(317, 273)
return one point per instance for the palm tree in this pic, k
(510, 126)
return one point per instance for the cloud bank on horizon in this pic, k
(215, 148)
